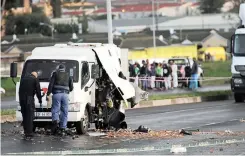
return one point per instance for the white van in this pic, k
(93, 66)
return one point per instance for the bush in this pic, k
(29, 21)
(66, 28)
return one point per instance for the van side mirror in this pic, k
(230, 44)
(13, 70)
(95, 71)
(228, 49)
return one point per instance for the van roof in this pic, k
(75, 51)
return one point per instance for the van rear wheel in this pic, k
(82, 126)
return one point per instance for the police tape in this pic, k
(180, 79)
(133, 150)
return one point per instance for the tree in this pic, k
(9, 4)
(211, 6)
(66, 28)
(18, 23)
(56, 5)
(236, 4)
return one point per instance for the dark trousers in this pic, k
(27, 111)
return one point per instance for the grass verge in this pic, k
(8, 112)
(193, 94)
(217, 69)
(215, 82)
(9, 86)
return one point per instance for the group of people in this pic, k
(161, 76)
(60, 85)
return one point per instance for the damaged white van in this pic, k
(100, 88)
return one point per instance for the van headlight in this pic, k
(237, 81)
(74, 107)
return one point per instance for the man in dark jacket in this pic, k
(29, 86)
(131, 73)
(61, 84)
(167, 75)
(143, 75)
(194, 75)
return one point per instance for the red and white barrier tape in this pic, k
(180, 79)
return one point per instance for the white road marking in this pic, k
(132, 150)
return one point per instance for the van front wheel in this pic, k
(82, 126)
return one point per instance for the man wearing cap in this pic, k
(29, 86)
(61, 84)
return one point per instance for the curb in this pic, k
(178, 101)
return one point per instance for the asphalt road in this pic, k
(211, 116)
(10, 103)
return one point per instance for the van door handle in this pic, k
(90, 93)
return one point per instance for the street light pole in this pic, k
(153, 27)
(109, 21)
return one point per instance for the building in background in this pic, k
(24, 8)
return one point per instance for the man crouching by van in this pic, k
(61, 84)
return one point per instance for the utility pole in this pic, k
(153, 27)
(109, 21)
(157, 16)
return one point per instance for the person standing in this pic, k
(159, 76)
(136, 72)
(194, 75)
(29, 86)
(153, 75)
(174, 74)
(148, 73)
(166, 75)
(131, 72)
(61, 84)
(143, 76)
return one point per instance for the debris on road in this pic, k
(7, 118)
(142, 129)
(138, 135)
(228, 131)
(182, 131)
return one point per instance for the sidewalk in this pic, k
(185, 90)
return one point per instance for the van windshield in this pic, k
(45, 68)
(239, 46)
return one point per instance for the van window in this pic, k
(45, 68)
(85, 74)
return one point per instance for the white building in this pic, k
(124, 25)
(224, 21)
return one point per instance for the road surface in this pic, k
(10, 103)
(207, 116)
